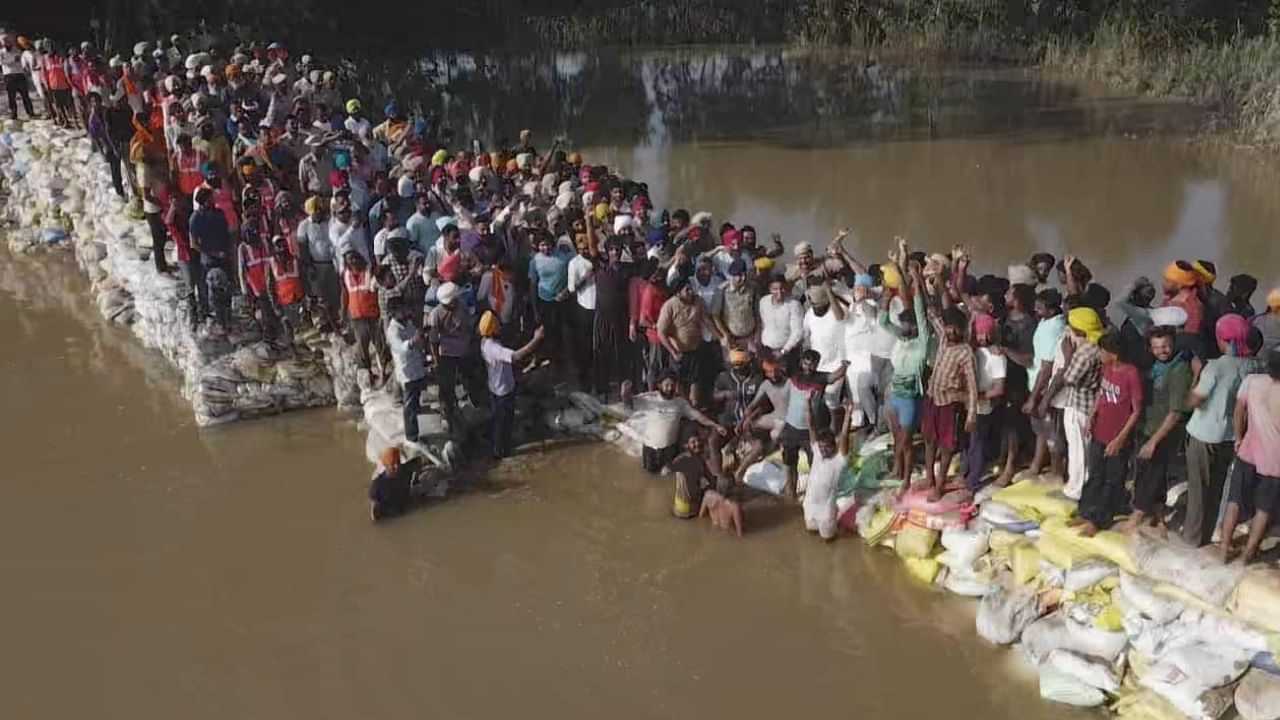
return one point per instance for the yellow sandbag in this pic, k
(1026, 562)
(1146, 705)
(1107, 544)
(880, 526)
(1055, 551)
(923, 569)
(1037, 499)
(1257, 599)
(1002, 540)
(1110, 619)
(914, 541)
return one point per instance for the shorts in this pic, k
(654, 459)
(1253, 492)
(792, 441)
(907, 410)
(941, 425)
(1051, 429)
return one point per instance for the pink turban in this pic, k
(983, 324)
(1233, 330)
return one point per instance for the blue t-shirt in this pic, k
(1219, 381)
(550, 273)
(1045, 342)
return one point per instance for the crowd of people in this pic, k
(467, 268)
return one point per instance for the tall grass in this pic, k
(1238, 76)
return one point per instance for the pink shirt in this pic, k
(1261, 397)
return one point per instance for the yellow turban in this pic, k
(1273, 299)
(489, 325)
(602, 212)
(1207, 276)
(439, 157)
(1086, 320)
(892, 278)
(1178, 276)
(764, 264)
(312, 205)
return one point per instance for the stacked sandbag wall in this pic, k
(60, 198)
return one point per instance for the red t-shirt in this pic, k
(1119, 396)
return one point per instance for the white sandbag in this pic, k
(1057, 631)
(1258, 696)
(1199, 572)
(766, 476)
(967, 582)
(1005, 517)
(1088, 573)
(1138, 594)
(1060, 687)
(1004, 613)
(1090, 672)
(1194, 677)
(964, 546)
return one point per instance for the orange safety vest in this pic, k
(253, 258)
(288, 281)
(362, 294)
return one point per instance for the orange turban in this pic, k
(1181, 277)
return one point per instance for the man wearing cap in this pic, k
(15, 78)
(1081, 379)
(254, 256)
(360, 303)
(356, 123)
(452, 332)
(582, 286)
(319, 257)
(734, 311)
(1180, 281)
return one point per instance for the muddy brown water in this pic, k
(152, 569)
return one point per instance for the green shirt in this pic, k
(910, 355)
(1166, 395)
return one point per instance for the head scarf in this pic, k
(389, 457)
(1204, 271)
(1178, 276)
(1086, 320)
(1170, 315)
(488, 325)
(1273, 299)
(1233, 331)
(764, 264)
(863, 280)
(602, 212)
(312, 205)
(731, 238)
(983, 324)
(1022, 275)
(892, 277)
(803, 248)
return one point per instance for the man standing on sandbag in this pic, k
(319, 262)
(253, 258)
(1163, 428)
(1114, 417)
(1255, 482)
(210, 237)
(15, 78)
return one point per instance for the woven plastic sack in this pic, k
(1057, 686)
(913, 541)
(1258, 696)
(1108, 545)
(1257, 599)
(1036, 500)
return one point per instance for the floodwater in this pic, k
(153, 570)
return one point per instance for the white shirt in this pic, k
(992, 366)
(358, 127)
(346, 237)
(825, 334)
(711, 299)
(582, 282)
(497, 361)
(662, 424)
(824, 479)
(781, 324)
(11, 62)
(410, 360)
(860, 323)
